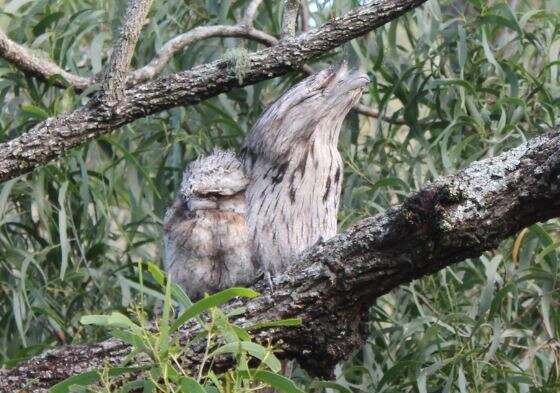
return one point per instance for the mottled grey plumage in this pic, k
(205, 232)
(294, 167)
(224, 218)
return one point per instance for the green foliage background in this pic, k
(461, 80)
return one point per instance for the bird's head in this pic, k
(315, 107)
(210, 178)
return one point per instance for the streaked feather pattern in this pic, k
(235, 217)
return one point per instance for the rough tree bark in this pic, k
(332, 286)
(43, 68)
(289, 18)
(52, 137)
(116, 72)
(25, 60)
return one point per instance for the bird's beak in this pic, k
(345, 80)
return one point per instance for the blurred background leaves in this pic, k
(457, 81)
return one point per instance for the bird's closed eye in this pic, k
(213, 195)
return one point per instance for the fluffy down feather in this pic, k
(205, 231)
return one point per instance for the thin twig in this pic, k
(116, 73)
(304, 13)
(197, 34)
(367, 111)
(250, 12)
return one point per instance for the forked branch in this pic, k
(52, 137)
(42, 67)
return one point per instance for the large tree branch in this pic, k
(42, 67)
(50, 138)
(333, 285)
(23, 59)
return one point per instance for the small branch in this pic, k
(116, 73)
(25, 60)
(304, 12)
(178, 43)
(289, 18)
(250, 13)
(332, 285)
(367, 111)
(244, 29)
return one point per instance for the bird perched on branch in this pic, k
(233, 217)
(294, 167)
(205, 232)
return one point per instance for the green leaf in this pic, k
(277, 381)
(241, 333)
(62, 230)
(164, 322)
(177, 292)
(462, 380)
(214, 378)
(134, 386)
(115, 320)
(280, 323)
(84, 379)
(190, 385)
(96, 50)
(4, 194)
(225, 328)
(35, 111)
(462, 48)
(46, 22)
(265, 355)
(330, 385)
(488, 52)
(137, 341)
(156, 272)
(212, 301)
(134, 161)
(90, 377)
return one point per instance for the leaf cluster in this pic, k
(155, 362)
